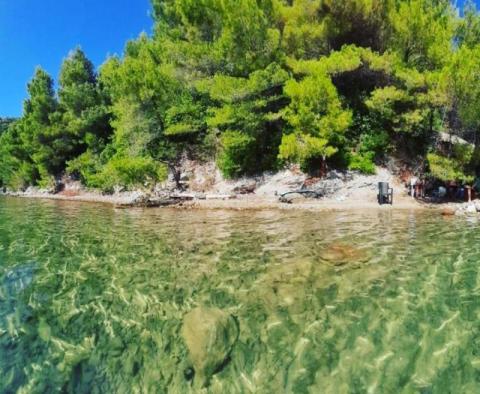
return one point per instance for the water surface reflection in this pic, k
(375, 301)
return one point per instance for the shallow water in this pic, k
(92, 299)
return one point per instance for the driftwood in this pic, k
(305, 193)
(172, 199)
(183, 196)
(219, 197)
(149, 203)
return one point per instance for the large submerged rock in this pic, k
(339, 253)
(209, 334)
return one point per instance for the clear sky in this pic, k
(42, 32)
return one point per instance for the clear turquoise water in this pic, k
(92, 299)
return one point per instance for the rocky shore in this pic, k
(204, 188)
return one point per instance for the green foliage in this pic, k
(251, 107)
(41, 103)
(214, 36)
(461, 84)
(77, 82)
(138, 172)
(423, 32)
(372, 144)
(10, 162)
(315, 107)
(5, 123)
(448, 169)
(305, 31)
(235, 154)
(362, 162)
(377, 142)
(86, 167)
(255, 84)
(50, 132)
(117, 171)
(468, 30)
(83, 104)
(305, 149)
(317, 120)
(155, 115)
(27, 152)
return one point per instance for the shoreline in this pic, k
(93, 198)
(327, 205)
(341, 191)
(241, 202)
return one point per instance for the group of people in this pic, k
(421, 188)
(417, 189)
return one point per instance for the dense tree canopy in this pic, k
(4, 123)
(257, 84)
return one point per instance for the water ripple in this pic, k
(357, 302)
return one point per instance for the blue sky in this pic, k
(42, 32)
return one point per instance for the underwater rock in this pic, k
(448, 212)
(14, 313)
(13, 283)
(283, 285)
(18, 279)
(209, 334)
(292, 272)
(339, 253)
(471, 209)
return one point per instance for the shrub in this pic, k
(306, 150)
(85, 166)
(372, 144)
(447, 169)
(130, 173)
(362, 162)
(21, 177)
(236, 153)
(377, 142)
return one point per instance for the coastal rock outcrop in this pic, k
(209, 334)
(246, 187)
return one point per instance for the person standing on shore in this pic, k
(419, 188)
(413, 182)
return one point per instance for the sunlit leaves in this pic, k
(316, 117)
(461, 84)
(422, 32)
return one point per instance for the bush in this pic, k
(447, 169)
(19, 175)
(86, 167)
(371, 145)
(362, 162)
(47, 182)
(377, 142)
(130, 173)
(308, 151)
(236, 153)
